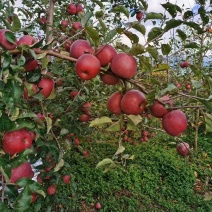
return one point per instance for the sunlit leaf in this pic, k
(166, 49)
(153, 15)
(139, 27)
(136, 119)
(59, 165)
(100, 121)
(120, 150)
(49, 124)
(121, 9)
(136, 49)
(104, 162)
(10, 37)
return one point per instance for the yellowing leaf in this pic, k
(120, 150)
(100, 121)
(135, 118)
(59, 165)
(49, 124)
(104, 162)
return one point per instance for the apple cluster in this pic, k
(74, 9)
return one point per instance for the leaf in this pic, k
(110, 35)
(121, 9)
(172, 24)
(93, 33)
(145, 64)
(192, 45)
(152, 51)
(100, 121)
(44, 62)
(155, 32)
(170, 88)
(206, 103)
(152, 15)
(193, 25)
(136, 49)
(16, 23)
(3, 207)
(98, 2)
(115, 127)
(144, 3)
(208, 121)
(85, 18)
(6, 61)
(139, 27)
(133, 37)
(10, 37)
(208, 196)
(166, 49)
(21, 60)
(104, 162)
(181, 34)
(161, 67)
(5, 123)
(172, 8)
(196, 84)
(120, 150)
(59, 165)
(188, 14)
(136, 119)
(49, 124)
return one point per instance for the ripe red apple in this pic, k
(26, 40)
(47, 86)
(87, 66)
(76, 26)
(145, 138)
(64, 23)
(109, 78)
(145, 133)
(72, 9)
(43, 20)
(139, 16)
(177, 85)
(79, 8)
(4, 42)
(85, 153)
(114, 103)
(67, 44)
(66, 179)
(183, 149)
(17, 141)
(159, 110)
(174, 122)
(22, 171)
(51, 190)
(39, 179)
(76, 141)
(59, 82)
(34, 197)
(188, 87)
(124, 65)
(73, 94)
(98, 206)
(84, 118)
(32, 90)
(80, 47)
(86, 107)
(41, 116)
(31, 65)
(133, 102)
(184, 64)
(105, 54)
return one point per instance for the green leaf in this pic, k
(170, 88)
(24, 123)
(188, 14)
(208, 121)
(99, 14)
(192, 45)
(206, 103)
(133, 37)
(6, 61)
(110, 35)
(121, 9)
(155, 32)
(59, 165)
(203, 15)
(33, 185)
(93, 33)
(161, 67)
(144, 3)
(44, 62)
(115, 127)
(139, 27)
(98, 2)
(5, 123)
(181, 34)
(196, 84)
(21, 60)
(172, 24)
(16, 23)
(104, 162)
(49, 124)
(136, 119)
(10, 37)
(3, 207)
(136, 49)
(17, 90)
(152, 51)
(209, 80)
(85, 18)
(172, 9)
(166, 49)
(152, 15)
(100, 121)
(208, 196)
(145, 63)
(193, 25)
(196, 70)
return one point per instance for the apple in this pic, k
(22, 171)
(184, 64)
(59, 82)
(73, 94)
(177, 85)
(34, 197)
(39, 179)
(67, 44)
(72, 9)
(86, 107)
(17, 141)
(85, 153)
(64, 23)
(51, 190)
(84, 118)
(183, 149)
(26, 40)
(76, 26)
(133, 102)
(188, 87)
(31, 65)
(76, 141)
(139, 16)
(47, 86)
(114, 103)
(4, 42)
(145, 138)
(40, 116)
(80, 47)
(43, 20)
(145, 133)
(109, 78)
(98, 206)
(32, 90)
(174, 122)
(79, 8)
(87, 66)
(66, 179)
(124, 65)
(158, 109)
(105, 54)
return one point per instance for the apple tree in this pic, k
(66, 73)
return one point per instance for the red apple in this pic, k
(133, 102)
(85, 153)
(64, 23)
(34, 197)
(79, 8)
(31, 65)
(188, 87)
(98, 206)
(183, 149)
(17, 141)
(145, 138)
(67, 44)
(124, 65)
(184, 64)
(72, 9)
(22, 171)
(87, 66)
(66, 179)
(139, 16)
(76, 26)
(47, 86)
(109, 78)
(51, 190)
(84, 118)
(39, 179)
(43, 20)
(86, 107)
(158, 109)
(114, 103)
(177, 85)
(73, 94)
(4, 42)
(26, 40)
(105, 54)
(59, 82)
(76, 141)
(145, 133)
(32, 90)
(174, 122)
(40, 116)
(80, 47)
